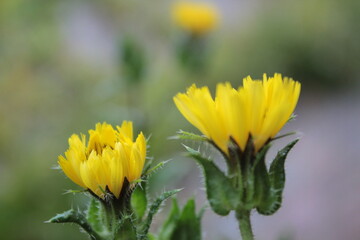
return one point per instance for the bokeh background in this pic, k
(62, 70)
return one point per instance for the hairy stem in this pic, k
(243, 218)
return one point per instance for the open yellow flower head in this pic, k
(258, 109)
(106, 159)
(195, 17)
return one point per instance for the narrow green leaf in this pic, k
(188, 136)
(222, 196)
(71, 191)
(139, 200)
(155, 168)
(93, 215)
(69, 216)
(171, 222)
(72, 216)
(148, 163)
(154, 208)
(284, 135)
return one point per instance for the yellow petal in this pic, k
(109, 157)
(260, 108)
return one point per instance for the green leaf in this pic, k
(171, 222)
(222, 195)
(72, 216)
(154, 208)
(93, 215)
(139, 200)
(69, 216)
(188, 226)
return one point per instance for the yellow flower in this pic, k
(197, 18)
(258, 108)
(109, 156)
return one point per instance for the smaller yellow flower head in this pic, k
(258, 109)
(197, 18)
(106, 160)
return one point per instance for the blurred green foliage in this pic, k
(60, 73)
(314, 42)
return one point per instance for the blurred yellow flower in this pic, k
(258, 108)
(109, 156)
(195, 17)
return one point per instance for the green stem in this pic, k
(93, 234)
(243, 218)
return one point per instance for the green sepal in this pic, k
(263, 196)
(272, 203)
(257, 179)
(154, 169)
(277, 173)
(283, 135)
(182, 225)
(72, 191)
(247, 179)
(292, 117)
(139, 200)
(188, 226)
(153, 209)
(260, 156)
(148, 164)
(188, 136)
(222, 196)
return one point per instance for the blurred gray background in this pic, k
(61, 71)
